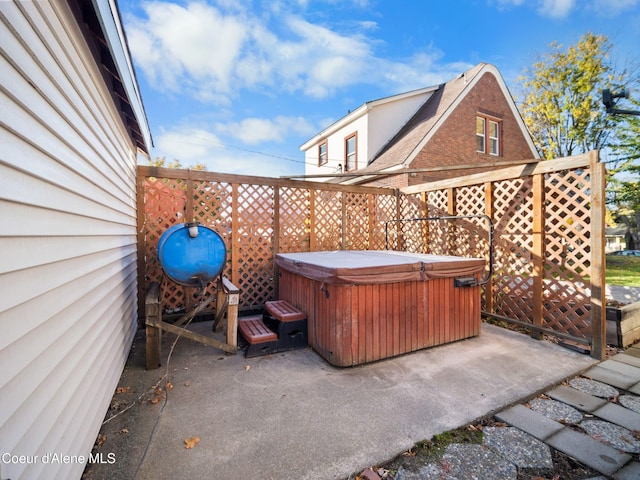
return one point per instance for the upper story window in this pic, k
(487, 136)
(322, 154)
(351, 152)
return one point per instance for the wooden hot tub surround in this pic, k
(364, 306)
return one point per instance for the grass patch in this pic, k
(431, 451)
(622, 270)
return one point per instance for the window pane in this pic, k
(493, 129)
(351, 145)
(493, 138)
(350, 153)
(322, 154)
(493, 146)
(480, 124)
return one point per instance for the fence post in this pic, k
(312, 220)
(275, 244)
(598, 279)
(489, 210)
(235, 236)
(141, 237)
(425, 225)
(343, 230)
(452, 227)
(398, 226)
(538, 253)
(371, 220)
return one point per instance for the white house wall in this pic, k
(335, 148)
(386, 120)
(68, 301)
(378, 123)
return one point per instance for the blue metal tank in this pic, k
(191, 259)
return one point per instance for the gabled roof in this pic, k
(360, 111)
(407, 143)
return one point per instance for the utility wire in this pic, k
(207, 142)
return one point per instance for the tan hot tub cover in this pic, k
(376, 266)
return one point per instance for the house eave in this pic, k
(125, 86)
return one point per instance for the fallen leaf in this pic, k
(191, 442)
(154, 400)
(169, 386)
(122, 389)
(159, 391)
(101, 439)
(124, 430)
(247, 368)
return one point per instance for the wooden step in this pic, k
(284, 311)
(255, 331)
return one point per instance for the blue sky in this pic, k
(240, 85)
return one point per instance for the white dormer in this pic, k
(353, 141)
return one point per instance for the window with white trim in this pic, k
(351, 153)
(322, 154)
(487, 136)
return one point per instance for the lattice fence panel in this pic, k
(385, 209)
(406, 235)
(472, 234)
(327, 220)
(253, 269)
(438, 234)
(357, 221)
(295, 220)
(567, 252)
(513, 268)
(332, 219)
(415, 233)
(213, 207)
(165, 204)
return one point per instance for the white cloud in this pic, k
(193, 47)
(188, 144)
(193, 145)
(213, 52)
(555, 8)
(421, 70)
(612, 8)
(252, 131)
(562, 8)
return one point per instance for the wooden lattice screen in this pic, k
(257, 218)
(548, 222)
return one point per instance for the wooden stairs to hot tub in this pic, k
(282, 327)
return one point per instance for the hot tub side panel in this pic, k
(355, 324)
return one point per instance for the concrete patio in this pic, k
(292, 415)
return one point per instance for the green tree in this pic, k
(175, 163)
(626, 146)
(562, 97)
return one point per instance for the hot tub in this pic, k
(364, 306)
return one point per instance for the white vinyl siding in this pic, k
(68, 300)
